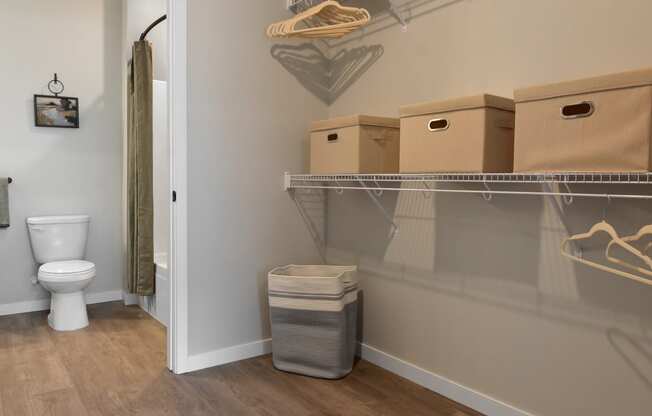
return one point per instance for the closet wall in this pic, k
(247, 124)
(477, 291)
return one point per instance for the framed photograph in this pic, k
(56, 111)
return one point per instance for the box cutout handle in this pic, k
(578, 110)
(332, 137)
(438, 124)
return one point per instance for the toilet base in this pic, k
(68, 311)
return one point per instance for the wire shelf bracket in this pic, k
(375, 185)
(375, 198)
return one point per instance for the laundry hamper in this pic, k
(313, 311)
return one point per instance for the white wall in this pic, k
(161, 156)
(247, 125)
(61, 171)
(477, 292)
(140, 14)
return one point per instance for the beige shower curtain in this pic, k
(140, 275)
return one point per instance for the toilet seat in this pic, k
(66, 271)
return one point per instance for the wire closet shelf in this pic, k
(429, 183)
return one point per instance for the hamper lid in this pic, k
(316, 280)
(619, 80)
(456, 104)
(355, 120)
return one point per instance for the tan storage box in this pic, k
(355, 144)
(599, 124)
(470, 134)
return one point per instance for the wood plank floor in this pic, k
(117, 367)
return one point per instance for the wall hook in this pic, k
(55, 86)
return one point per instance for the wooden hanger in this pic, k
(327, 19)
(321, 28)
(646, 230)
(605, 227)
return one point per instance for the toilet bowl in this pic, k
(66, 281)
(59, 246)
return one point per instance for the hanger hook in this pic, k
(487, 196)
(426, 194)
(340, 189)
(568, 199)
(604, 209)
(378, 192)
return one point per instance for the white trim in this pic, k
(143, 304)
(124, 59)
(448, 388)
(130, 299)
(229, 355)
(177, 343)
(44, 304)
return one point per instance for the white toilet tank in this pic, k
(58, 238)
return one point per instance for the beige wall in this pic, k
(476, 291)
(247, 123)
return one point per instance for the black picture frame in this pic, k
(56, 111)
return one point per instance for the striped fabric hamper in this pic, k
(313, 312)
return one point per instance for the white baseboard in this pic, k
(228, 355)
(101, 297)
(448, 388)
(44, 304)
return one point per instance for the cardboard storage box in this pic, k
(599, 124)
(355, 144)
(470, 134)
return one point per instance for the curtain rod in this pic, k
(150, 27)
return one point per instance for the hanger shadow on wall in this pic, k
(326, 78)
(634, 353)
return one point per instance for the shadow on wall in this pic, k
(326, 78)
(384, 16)
(311, 204)
(634, 352)
(504, 253)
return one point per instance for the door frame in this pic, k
(177, 334)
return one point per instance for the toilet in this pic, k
(59, 246)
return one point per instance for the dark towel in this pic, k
(4, 202)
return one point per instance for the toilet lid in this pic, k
(79, 269)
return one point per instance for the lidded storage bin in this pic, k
(599, 124)
(470, 134)
(313, 311)
(355, 144)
